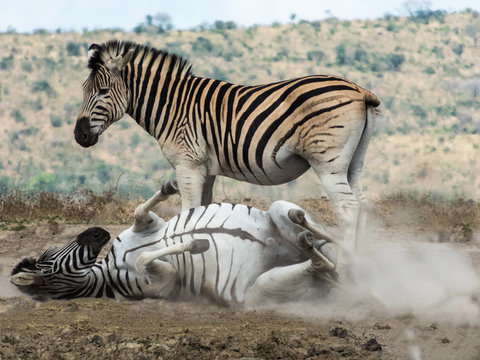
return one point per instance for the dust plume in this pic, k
(399, 277)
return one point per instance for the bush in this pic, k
(429, 70)
(224, 25)
(394, 61)
(55, 120)
(419, 111)
(341, 54)
(219, 74)
(43, 86)
(458, 49)
(315, 55)
(43, 182)
(361, 55)
(27, 66)
(73, 48)
(134, 140)
(6, 63)
(17, 115)
(202, 45)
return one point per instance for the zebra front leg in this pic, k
(191, 180)
(143, 218)
(196, 246)
(207, 191)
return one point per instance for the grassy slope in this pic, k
(426, 138)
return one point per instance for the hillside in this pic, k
(425, 71)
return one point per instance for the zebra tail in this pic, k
(371, 99)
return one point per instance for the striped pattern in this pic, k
(244, 244)
(266, 134)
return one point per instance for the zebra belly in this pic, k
(281, 171)
(224, 272)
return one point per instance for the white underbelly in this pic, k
(272, 173)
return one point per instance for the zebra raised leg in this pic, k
(143, 218)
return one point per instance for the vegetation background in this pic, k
(424, 67)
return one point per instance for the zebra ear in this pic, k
(26, 279)
(91, 50)
(116, 65)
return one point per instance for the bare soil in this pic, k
(155, 329)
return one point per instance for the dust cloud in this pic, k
(403, 277)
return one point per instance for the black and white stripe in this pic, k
(238, 254)
(266, 134)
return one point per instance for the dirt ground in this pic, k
(342, 326)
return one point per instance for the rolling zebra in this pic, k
(229, 253)
(266, 134)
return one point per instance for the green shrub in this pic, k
(341, 54)
(360, 55)
(315, 55)
(134, 140)
(419, 111)
(458, 49)
(429, 70)
(7, 62)
(224, 25)
(55, 120)
(202, 45)
(219, 74)
(44, 86)
(17, 115)
(40, 31)
(27, 66)
(394, 61)
(43, 182)
(73, 48)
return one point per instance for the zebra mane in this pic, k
(114, 48)
(27, 263)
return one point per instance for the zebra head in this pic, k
(61, 272)
(105, 94)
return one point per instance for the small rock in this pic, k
(372, 345)
(133, 345)
(339, 331)
(445, 340)
(66, 331)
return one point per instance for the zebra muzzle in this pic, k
(83, 134)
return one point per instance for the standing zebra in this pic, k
(266, 134)
(229, 253)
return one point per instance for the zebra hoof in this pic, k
(297, 216)
(305, 241)
(170, 187)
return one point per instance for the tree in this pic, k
(341, 54)
(163, 22)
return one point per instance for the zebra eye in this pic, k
(103, 91)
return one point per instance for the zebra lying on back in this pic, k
(231, 253)
(266, 134)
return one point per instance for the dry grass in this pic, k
(457, 216)
(20, 206)
(455, 219)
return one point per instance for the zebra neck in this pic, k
(156, 87)
(114, 282)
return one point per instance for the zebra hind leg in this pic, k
(320, 254)
(345, 205)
